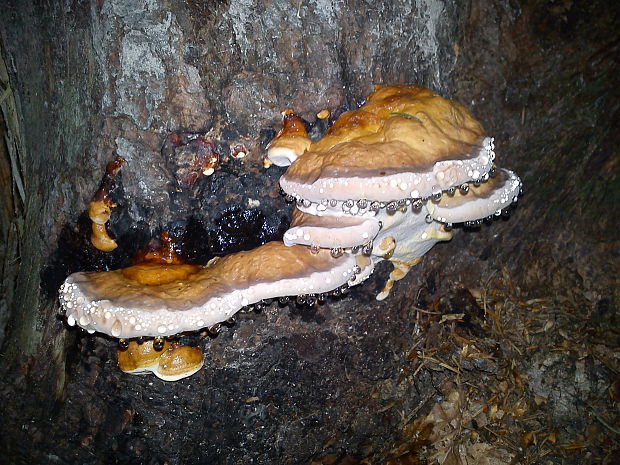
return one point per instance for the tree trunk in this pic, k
(87, 81)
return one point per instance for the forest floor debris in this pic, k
(527, 381)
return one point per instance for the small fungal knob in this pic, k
(179, 362)
(238, 151)
(100, 208)
(99, 212)
(290, 142)
(171, 362)
(100, 239)
(192, 157)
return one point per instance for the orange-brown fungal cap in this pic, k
(178, 362)
(392, 171)
(404, 142)
(160, 300)
(171, 363)
(447, 119)
(290, 142)
(140, 357)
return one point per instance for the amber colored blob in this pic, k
(101, 239)
(164, 253)
(99, 211)
(293, 125)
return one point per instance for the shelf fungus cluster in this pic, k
(386, 182)
(391, 178)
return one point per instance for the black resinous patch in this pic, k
(235, 230)
(240, 229)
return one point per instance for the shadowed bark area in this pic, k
(91, 80)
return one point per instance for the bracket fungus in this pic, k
(386, 182)
(290, 142)
(154, 299)
(169, 362)
(391, 177)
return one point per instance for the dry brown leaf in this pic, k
(488, 454)
(527, 439)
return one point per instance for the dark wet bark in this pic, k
(95, 79)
